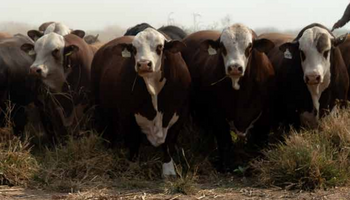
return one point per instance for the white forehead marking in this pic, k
(49, 42)
(308, 39)
(237, 33)
(149, 35)
(58, 28)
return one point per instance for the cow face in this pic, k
(235, 45)
(313, 48)
(50, 52)
(147, 49)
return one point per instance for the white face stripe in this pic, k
(236, 39)
(315, 64)
(52, 72)
(146, 43)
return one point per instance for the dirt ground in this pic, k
(203, 192)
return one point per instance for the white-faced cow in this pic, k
(142, 87)
(232, 79)
(62, 63)
(311, 75)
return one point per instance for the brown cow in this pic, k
(345, 50)
(63, 65)
(232, 79)
(142, 85)
(310, 75)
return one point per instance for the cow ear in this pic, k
(78, 33)
(339, 40)
(289, 49)
(35, 34)
(174, 46)
(210, 46)
(69, 50)
(28, 48)
(127, 50)
(263, 45)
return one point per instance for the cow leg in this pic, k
(168, 168)
(20, 120)
(133, 138)
(224, 142)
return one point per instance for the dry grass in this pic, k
(310, 159)
(17, 164)
(76, 164)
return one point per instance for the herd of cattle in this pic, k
(150, 82)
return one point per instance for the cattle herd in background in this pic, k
(150, 82)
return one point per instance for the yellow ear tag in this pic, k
(211, 51)
(126, 53)
(70, 53)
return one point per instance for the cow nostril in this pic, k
(229, 69)
(149, 64)
(138, 64)
(38, 71)
(240, 69)
(318, 78)
(307, 79)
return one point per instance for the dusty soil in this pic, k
(203, 192)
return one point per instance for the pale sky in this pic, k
(97, 14)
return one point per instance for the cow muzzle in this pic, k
(35, 70)
(235, 70)
(144, 67)
(313, 79)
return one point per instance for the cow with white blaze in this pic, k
(141, 86)
(311, 75)
(232, 84)
(62, 64)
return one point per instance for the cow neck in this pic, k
(317, 90)
(154, 84)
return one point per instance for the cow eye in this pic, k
(159, 49)
(223, 49)
(248, 49)
(302, 55)
(56, 53)
(250, 45)
(326, 53)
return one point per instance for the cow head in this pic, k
(147, 49)
(235, 45)
(50, 52)
(313, 47)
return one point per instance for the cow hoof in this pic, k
(168, 169)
